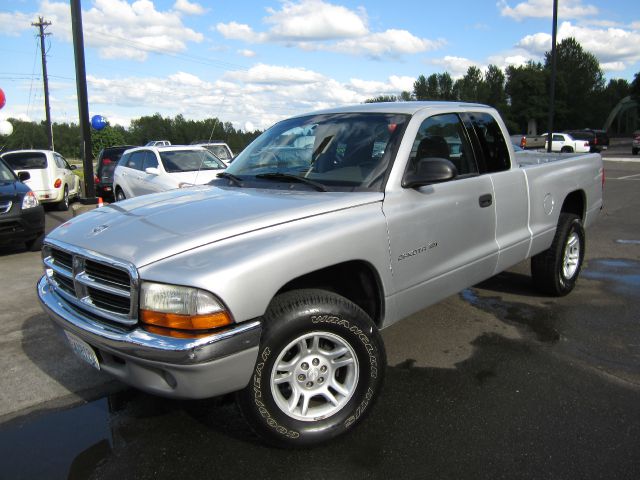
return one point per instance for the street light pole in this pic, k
(552, 86)
(83, 105)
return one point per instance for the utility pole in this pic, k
(47, 110)
(83, 104)
(552, 86)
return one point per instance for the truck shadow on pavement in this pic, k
(512, 410)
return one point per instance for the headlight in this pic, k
(184, 308)
(30, 200)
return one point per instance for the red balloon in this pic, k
(3, 99)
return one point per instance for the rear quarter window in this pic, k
(492, 150)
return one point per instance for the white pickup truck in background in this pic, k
(274, 280)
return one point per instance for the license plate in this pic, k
(83, 350)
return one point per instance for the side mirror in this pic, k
(73, 167)
(152, 171)
(430, 170)
(22, 176)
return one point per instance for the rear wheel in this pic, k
(555, 271)
(634, 151)
(319, 369)
(63, 205)
(566, 150)
(120, 195)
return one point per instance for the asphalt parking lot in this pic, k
(496, 382)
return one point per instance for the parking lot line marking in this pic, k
(622, 159)
(627, 177)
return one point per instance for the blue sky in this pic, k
(255, 62)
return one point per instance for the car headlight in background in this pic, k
(182, 308)
(30, 200)
(185, 185)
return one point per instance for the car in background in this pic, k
(157, 143)
(146, 170)
(635, 144)
(106, 163)
(218, 148)
(51, 177)
(598, 139)
(21, 214)
(565, 143)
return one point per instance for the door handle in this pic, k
(485, 200)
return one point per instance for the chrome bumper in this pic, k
(174, 367)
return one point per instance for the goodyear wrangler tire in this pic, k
(319, 369)
(555, 271)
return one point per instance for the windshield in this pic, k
(26, 160)
(343, 151)
(6, 175)
(189, 161)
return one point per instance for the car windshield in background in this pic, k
(26, 160)
(219, 151)
(6, 175)
(175, 161)
(340, 151)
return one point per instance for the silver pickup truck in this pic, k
(274, 280)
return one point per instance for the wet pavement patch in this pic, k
(620, 275)
(64, 444)
(540, 320)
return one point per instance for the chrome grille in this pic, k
(103, 287)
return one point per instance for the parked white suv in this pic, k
(51, 177)
(565, 143)
(145, 170)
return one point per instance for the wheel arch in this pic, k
(355, 280)
(575, 203)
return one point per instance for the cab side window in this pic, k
(490, 145)
(136, 159)
(444, 136)
(150, 160)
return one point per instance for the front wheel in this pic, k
(319, 369)
(555, 271)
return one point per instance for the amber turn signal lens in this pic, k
(185, 322)
(167, 332)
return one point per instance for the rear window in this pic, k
(219, 151)
(26, 160)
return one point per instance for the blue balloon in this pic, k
(98, 122)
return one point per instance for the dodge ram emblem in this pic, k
(99, 229)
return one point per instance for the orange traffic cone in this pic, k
(100, 204)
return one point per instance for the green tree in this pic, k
(526, 92)
(433, 89)
(421, 88)
(382, 98)
(579, 80)
(471, 87)
(107, 137)
(495, 94)
(445, 86)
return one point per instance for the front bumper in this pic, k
(18, 226)
(172, 367)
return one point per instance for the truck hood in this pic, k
(148, 228)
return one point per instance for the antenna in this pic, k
(42, 25)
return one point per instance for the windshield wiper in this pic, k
(287, 176)
(237, 181)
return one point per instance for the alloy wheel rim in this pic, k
(314, 376)
(571, 258)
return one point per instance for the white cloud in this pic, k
(190, 8)
(14, 24)
(567, 9)
(615, 48)
(247, 53)
(315, 20)
(318, 25)
(456, 66)
(108, 26)
(253, 99)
